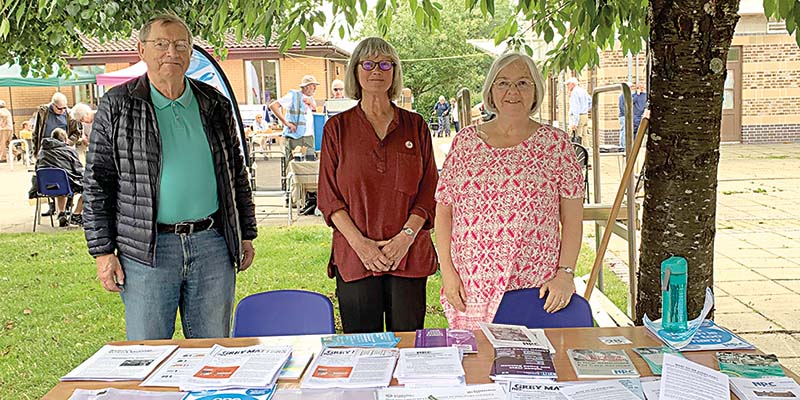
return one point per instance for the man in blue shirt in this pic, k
(169, 214)
(639, 105)
(580, 103)
(442, 109)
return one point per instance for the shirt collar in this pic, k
(161, 102)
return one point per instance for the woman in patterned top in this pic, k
(509, 203)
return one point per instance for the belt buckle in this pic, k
(184, 228)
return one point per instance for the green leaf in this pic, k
(73, 9)
(548, 34)
(341, 32)
(5, 26)
(785, 8)
(83, 2)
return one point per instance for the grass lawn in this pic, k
(55, 314)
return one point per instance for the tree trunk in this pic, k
(689, 41)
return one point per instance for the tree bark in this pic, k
(689, 41)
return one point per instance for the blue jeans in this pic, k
(621, 131)
(193, 274)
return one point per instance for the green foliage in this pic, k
(786, 10)
(425, 71)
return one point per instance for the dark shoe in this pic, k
(47, 213)
(63, 221)
(76, 219)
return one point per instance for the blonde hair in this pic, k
(372, 47)
(504, 61)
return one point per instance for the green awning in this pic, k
(11, 76)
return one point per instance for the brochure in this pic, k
(765, 388)
(380, 339)
(461, 338)
(536, 389)
(433, 366)
(654, 356)
(182, 364)
(678, 340)
(231, 394)
(599, 390)
(743, 365)
(354, 367)
(501, 335)
(651, 389)
(711, 336)
(491, 391)
(327, 394)
(682, 379)
(238, 368)
(522, 362)
(120, 363)
(127, 394)
(590, 363)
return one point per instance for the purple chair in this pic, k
(524, 307)
(283, 312)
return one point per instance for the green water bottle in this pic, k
(673, 294)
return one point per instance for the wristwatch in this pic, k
(568, 270)
(408, 231)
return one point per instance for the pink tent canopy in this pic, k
(123, 75)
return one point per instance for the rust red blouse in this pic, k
(379, 183)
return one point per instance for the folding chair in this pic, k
(283, 312)
(583, 159)
(524, 307)
(51, 183)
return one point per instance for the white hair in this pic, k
(79, 111)
(58, 98)
(504, 61)
(573, 80)
(372, 47)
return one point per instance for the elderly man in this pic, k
(52, 116)
(580, 103)
(337, 88)
(297, 116)
(639, 105)
(169, 214)
(6, 129)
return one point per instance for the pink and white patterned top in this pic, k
(505, 204)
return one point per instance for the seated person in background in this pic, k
(55, 153)
(261, 127)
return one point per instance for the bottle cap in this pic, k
(677, 265)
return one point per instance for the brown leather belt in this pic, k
(189, 227)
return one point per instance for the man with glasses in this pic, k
(52, 116)
(169, 214)
(296, 111)
(337, 87)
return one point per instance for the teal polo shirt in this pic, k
(188, 189)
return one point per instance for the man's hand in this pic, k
(110, 273)
(559, 291)
(292, 127)
(396, 248)
(248, 254)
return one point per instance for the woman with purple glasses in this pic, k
(376, 183)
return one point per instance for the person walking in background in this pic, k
(6, 130)
(509, 203)
(442, 109)
(580, 103)
(169, 214)
(376, 184)
(454, 113)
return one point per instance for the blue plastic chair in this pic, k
(524, 307)
(283, 312)
(51, 183)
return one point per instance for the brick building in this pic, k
(257, 73)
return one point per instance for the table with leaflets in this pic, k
(476, 366)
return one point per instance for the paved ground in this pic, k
(757, 265)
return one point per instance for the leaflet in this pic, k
(461, 338)
(599, 390)
(742, 365)
(120, 363)
(326, 394)
(180, 366)
(536, 389)
(353, 367)
(231, 394)
(651, 389)
(678, 340)
(501, 335)
(238, 367)
(682, 379)
(431, 365)
(590, 363)
(491, 391)
(115, 394)
(654, 356)
(765, 389)
(380, 339)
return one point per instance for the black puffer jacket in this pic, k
(123, 169)
(57, 154)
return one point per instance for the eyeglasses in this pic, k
(369, 65)
(338, 89)
(60, 108)
(523, 85)
(181, 46)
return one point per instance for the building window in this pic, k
(261, 77)
(91, 93)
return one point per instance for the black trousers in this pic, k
(363, 304)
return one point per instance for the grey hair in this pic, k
(59, 97)
(372, 47)
(59, 134)
(165, 18)
(79, 111)
(504, 61)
